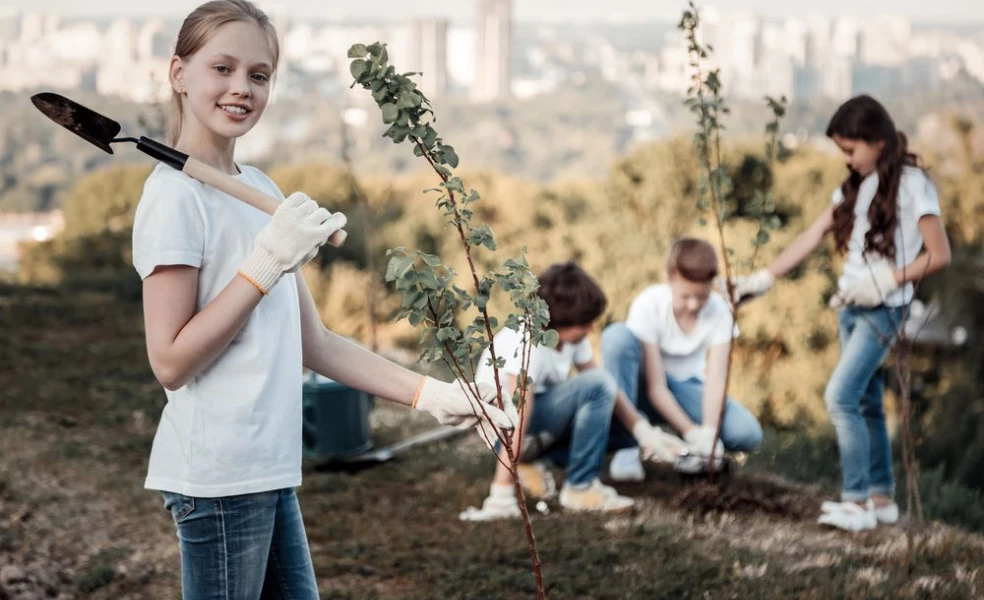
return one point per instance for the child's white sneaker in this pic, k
(626, 465)
(848, 516)
(500, 504)
(537, 480)
(888, 514)
(595, 497)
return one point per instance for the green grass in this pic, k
(79, 409)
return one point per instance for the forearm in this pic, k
(711, 403)
(804, 245)
(924, 266)
(205, 336)
(625, 412)
(346, 362)
(794, 254)
(666, 405)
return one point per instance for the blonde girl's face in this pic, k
(226, 83)
(861, 156)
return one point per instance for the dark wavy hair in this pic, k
(573, 296)
(864, 118)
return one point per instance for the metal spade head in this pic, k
(87, 124)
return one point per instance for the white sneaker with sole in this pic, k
(595, 497)
(500, 504)
(888, 514)
(537, 480)
(626, 465)
(848, 516)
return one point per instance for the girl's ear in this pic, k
(176, 75)
(880, 145)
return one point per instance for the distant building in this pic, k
(429, 55)
(493, 50)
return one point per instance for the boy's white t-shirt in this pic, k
(917, 198)
(235, 428)
(548, 366)
(684, 355)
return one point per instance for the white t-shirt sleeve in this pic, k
(924, 197)
(724, 328)
(168, 227)
(642, 319)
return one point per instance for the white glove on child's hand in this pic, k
(870, 289)
(752, 286)
(656, 444)
(501, 504)
(699, 440)
(451, 405)
(293, 236)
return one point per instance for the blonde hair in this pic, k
(198, 28)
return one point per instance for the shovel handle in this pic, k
(248, 194)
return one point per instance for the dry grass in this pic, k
(78, 409)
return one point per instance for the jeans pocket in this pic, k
(179, 505)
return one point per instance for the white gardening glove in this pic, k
(657, 445)
(870, 289)
(752, 286)
(699, 440)
(293, 236)
(451, 405)
(501, 504)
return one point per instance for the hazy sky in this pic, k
(953, 11)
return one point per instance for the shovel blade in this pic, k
(83, 122)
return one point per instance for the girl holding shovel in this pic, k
(230, 325)
(885, 217)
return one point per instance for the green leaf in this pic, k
(357, 67)
(390, 112)
(550, 339)
(430, 260)
(451, 157)
(357, 51)
(404, 101)
(398, 267)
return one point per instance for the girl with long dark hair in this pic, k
(885, 217)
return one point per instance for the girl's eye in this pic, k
(260, 77)
(222, 69)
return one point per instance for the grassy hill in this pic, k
(79, 407)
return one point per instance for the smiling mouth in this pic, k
(232, 109)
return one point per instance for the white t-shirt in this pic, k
(235, 428)
(548, 366)
(684, 355)
(917, 198)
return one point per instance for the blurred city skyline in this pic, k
(962, 12)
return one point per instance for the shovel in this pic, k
(101, 131)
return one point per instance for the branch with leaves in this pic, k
(706, 100)
(431, 299)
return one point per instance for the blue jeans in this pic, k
(245, 547)
(576, 414)
(855, 403)
(622, 353)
